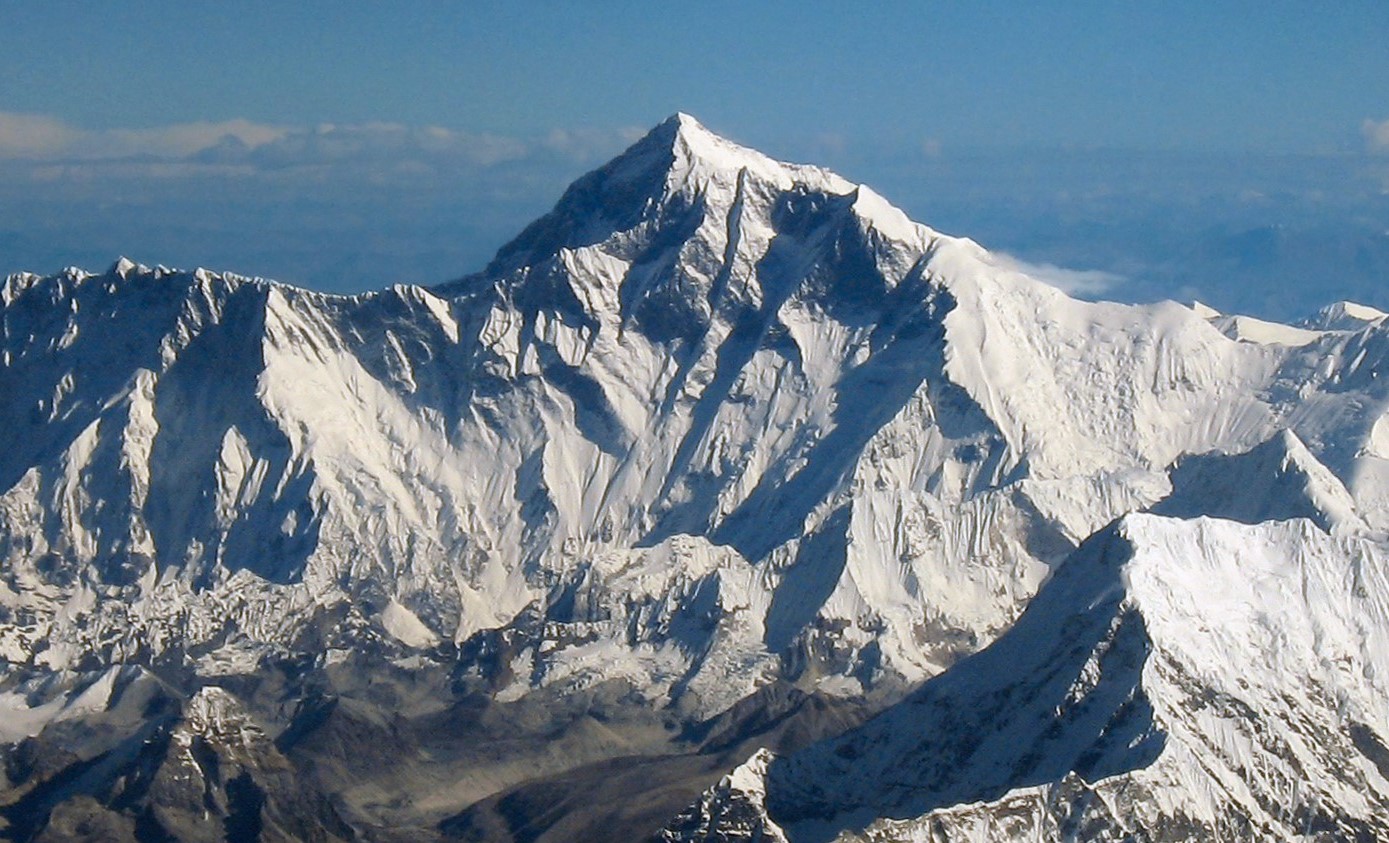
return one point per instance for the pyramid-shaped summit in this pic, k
(678, 169)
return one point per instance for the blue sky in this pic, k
(347, 146)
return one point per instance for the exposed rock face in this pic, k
(207, 772)
(714, 424)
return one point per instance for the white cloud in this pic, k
(180, 140)
(209, 146)
(41, 137)
(1082, 282)
(376, 142)
(589, 143)
(33, 135)
(1376, 134)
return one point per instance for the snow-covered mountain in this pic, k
(1175, 680)
(715, 424)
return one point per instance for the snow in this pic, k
(1204, 310)
(1249, 329)
(406, 626)
(215, 714)
(731, 810)
(1274, 481)
(1195, 678)
(713, 420)
(1345, 316)
(702, 150)
(22, 716)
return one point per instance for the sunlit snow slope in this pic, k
(1176, 680)
(712, 421)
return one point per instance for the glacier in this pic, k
(714, 425)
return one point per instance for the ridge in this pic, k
(1344, 316)
(1277, 480)
(714, 424)
(1154, 683)
(677, 174)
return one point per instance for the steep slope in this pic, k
(697, 341)
(196, 769)
(1274, 481)
(1174, 681)
(712, 423)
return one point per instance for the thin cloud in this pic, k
(41, 137)
(583, 144)
(1081, 282)
(177, 141)
(33, 135)
(1376, 133)
(372, 142)
(238, 146)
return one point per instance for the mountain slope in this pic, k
(1275, 481)
(714, 423)
(1174, 681)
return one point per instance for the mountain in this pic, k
(1176, 680)
(200, 769)
(1277, 480)
(1344, 316)
(719, 457)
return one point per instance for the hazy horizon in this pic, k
(1236, 156)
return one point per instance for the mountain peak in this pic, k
(675, 168)
(692, 137)
(696, 150)
(1276, 480)
(1344, 316)
(123, 266)
(681, 129)
(682, 123)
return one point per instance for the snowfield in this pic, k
(715, 422)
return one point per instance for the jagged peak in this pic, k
(696, 150)
(678, 165)
(123, 266)
(15, 284)
(126, 269)
(1344, 316)
(214, 712)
